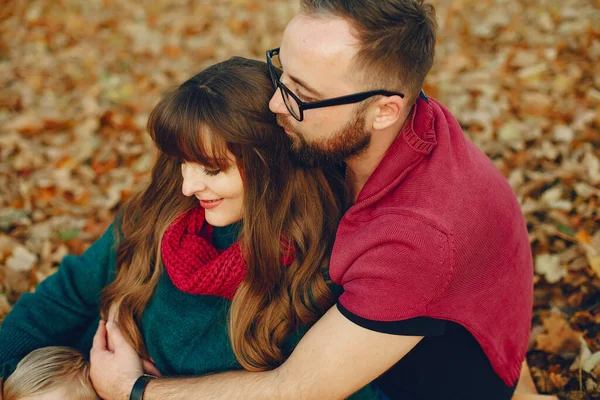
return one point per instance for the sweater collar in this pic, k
(416, 140)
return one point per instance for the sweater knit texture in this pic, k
(195, 266)
(437, 232)
(185, 334)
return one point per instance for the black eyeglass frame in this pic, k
(336, 101)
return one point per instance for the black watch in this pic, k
(137, 392)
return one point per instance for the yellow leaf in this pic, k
(591, 253)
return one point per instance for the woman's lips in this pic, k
(208, 204)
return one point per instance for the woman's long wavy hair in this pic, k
(225, 108)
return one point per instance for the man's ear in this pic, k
(388, 110)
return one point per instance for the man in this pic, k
(433, 255)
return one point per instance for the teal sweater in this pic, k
(185, 334)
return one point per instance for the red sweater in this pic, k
(437, 232)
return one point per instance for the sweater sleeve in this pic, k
(62, 307)
(392, 274)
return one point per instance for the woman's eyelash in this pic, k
(212, 172)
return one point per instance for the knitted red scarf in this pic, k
(195, 266)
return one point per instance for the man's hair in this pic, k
(50, 368)
(397, 39)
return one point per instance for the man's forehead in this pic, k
(317, 45)
(320, 34)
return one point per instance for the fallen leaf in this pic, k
(559, 337)
(592, 253)
(550, 267)
(21, 260)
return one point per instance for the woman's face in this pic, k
(220, 193)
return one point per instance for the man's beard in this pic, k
(349, 141)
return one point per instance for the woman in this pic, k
(242, 234)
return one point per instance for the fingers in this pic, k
(113, 373)
(119, 342)
(99, 342)
(110, 344)
(150, 368)
(113, 312)
(115, 336)
(112, 316)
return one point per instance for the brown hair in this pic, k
(49, 368)
(225, 108)
(397, 39)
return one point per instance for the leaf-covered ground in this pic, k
(78, 80)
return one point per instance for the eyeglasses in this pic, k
(296, 106)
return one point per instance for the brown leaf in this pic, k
(559, 338)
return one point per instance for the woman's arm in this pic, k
(62, 306)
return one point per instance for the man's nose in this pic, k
(276, 104)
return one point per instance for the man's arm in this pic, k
(333, 360)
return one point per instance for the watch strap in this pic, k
(137, 392)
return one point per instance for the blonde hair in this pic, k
(50, 368)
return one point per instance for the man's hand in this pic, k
(113, 373)
(150, 368)
(147, 364)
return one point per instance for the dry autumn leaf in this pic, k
(551, 267)
(592, 251)
(559, 336)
